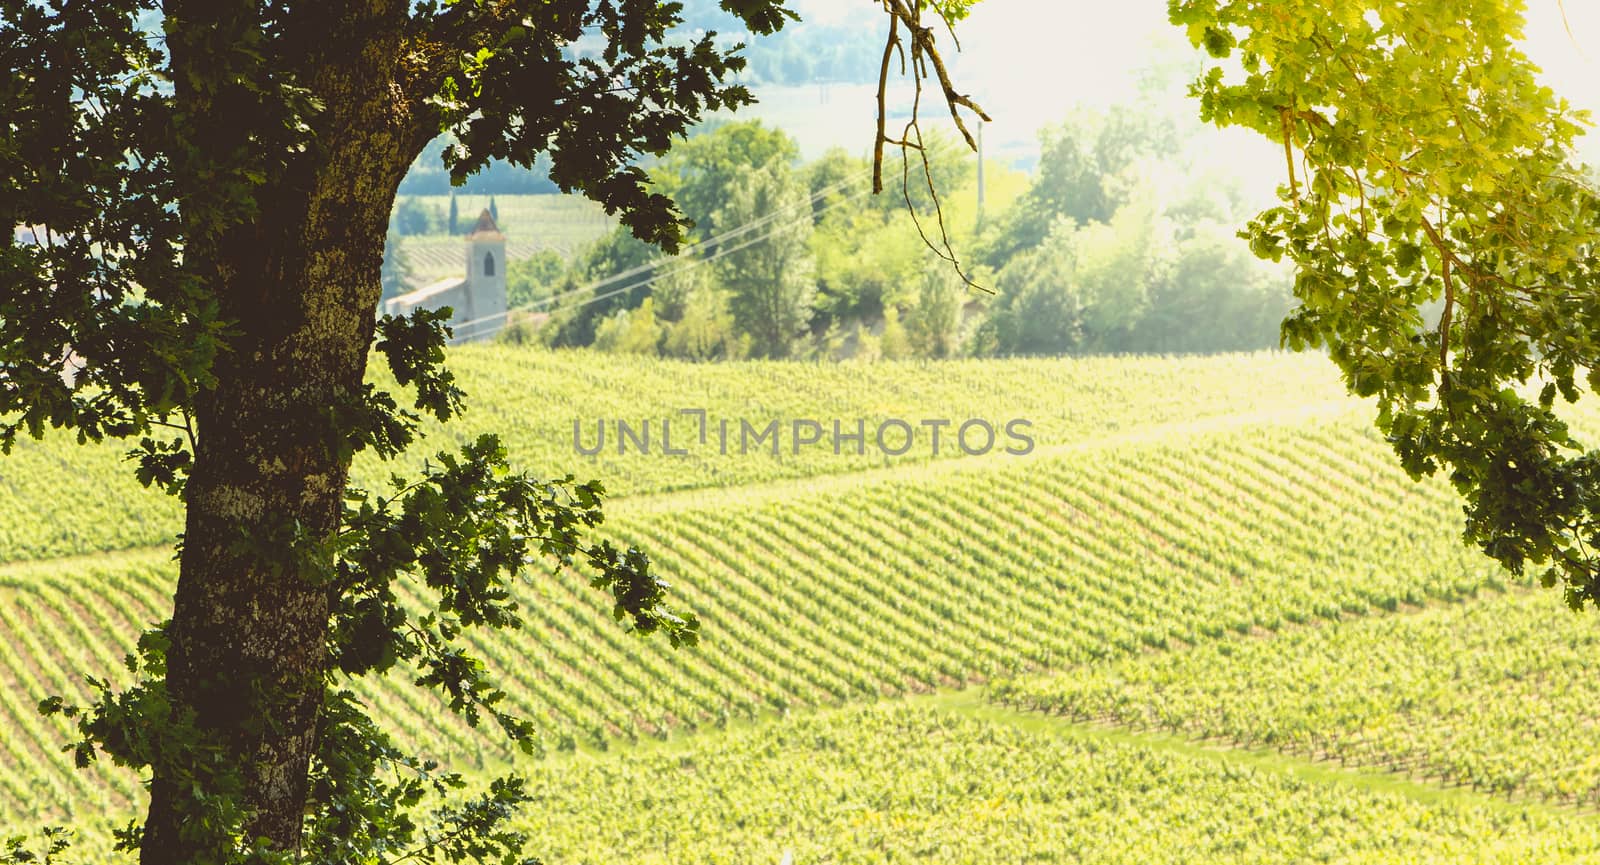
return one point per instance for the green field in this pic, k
(924, 784)
(1201, 559)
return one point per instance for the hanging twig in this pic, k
(889, 47)
(943, 249)
(924, 54)
(1567, 22)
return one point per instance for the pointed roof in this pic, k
(485, 229)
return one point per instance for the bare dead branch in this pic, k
(883, 112)
(925, 56)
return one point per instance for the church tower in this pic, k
(486, 281)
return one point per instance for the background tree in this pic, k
(868, 252)
(1212, 295)
(698, 174)
(413, 217)
(948, 165)
(1038, 309)
(769, 283)
(617, 271)
(706, 330)
(454, 225)
(833, 179)
(220, 192)
(533, 279)
(1114, 270)
(934, 323)
(865, 262)
(631, 331)
(893, 341)
(1079, 160)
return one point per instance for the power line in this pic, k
(694, 263)
(686, 264)
(685, 257)
(692, 248)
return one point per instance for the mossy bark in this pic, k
(248, 635)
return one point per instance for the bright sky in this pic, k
(1030, 61)
(1079, 44)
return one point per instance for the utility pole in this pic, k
(980, 173)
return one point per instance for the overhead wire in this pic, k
(685, 258)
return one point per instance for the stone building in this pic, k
(478, 302)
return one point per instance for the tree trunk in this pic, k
(248, 635)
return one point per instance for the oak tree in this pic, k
(207, 186)
(1426, 167)
(208, 192)
(770, 284)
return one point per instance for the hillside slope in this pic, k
(826, 591)
(1167, 512)
(63, 499)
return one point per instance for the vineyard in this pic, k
(531, 224)
(1178, 559)
(1498, 696)
(912, 785)
(82, 500)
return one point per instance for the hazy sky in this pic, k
(1086, 48)
(1029, 62)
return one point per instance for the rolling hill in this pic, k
(1188, 541)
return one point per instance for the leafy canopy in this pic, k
(1427, 165)
(150, 167)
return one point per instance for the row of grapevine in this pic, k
(920, 784)
(60, 625)
(63, 499)
(1499, 695)
(916, 783)
(849, 591)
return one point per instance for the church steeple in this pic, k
(477, 303)
(485, 225)
(486, 278)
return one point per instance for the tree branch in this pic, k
(924, 52)
(889, 46)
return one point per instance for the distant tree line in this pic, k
(1117, 247)
(1114, 246)
(798, 55)
(429, 177)
(412, 217)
